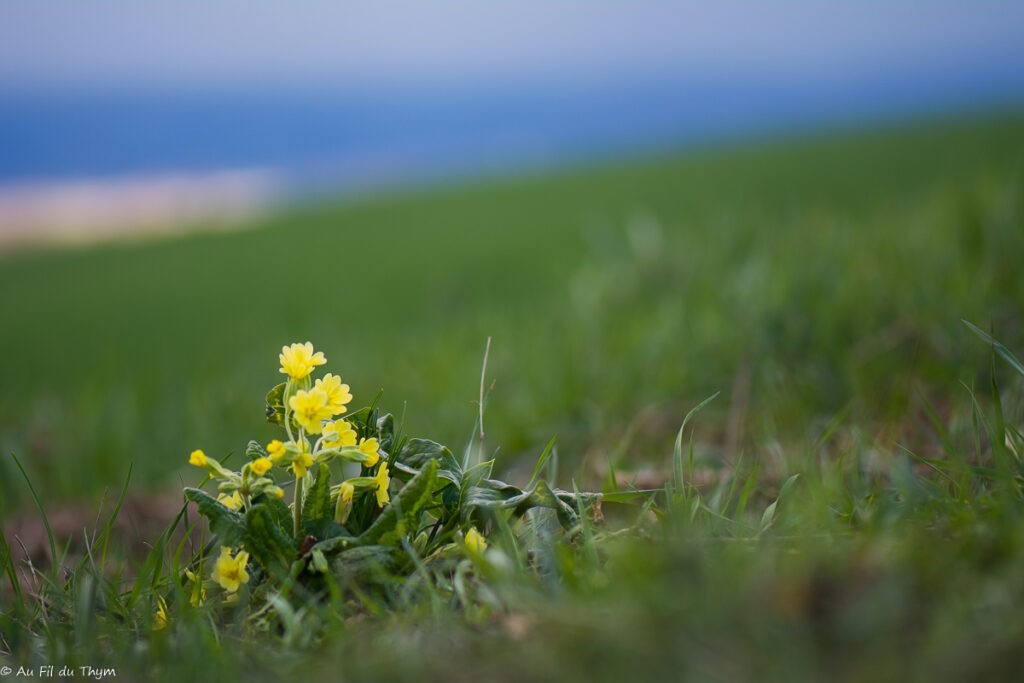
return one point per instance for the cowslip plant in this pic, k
(367, 506)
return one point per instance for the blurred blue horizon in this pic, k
(343, 98)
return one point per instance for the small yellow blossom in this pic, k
(160, 619)
(229, 571)
(303, 461)
(198, 595)
(298, 360)
(344, 505)
(475, 542)
(338, 394)
(261, 466)
(370, 449)
(197, 458)
(381, 483)
(231, 502)
(339, 433)
(275, 449)
(310, 409)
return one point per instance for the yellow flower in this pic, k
(475, 542)
(381, 483)
(339, 433)
(298, 360)
(310, 409)
(198, 595)
(229, 571)
(302, 463)
(370, 448)
(197, 458)
(275, 449)
(261, 466)
(338, 394)
(232, 502)
(343, 507)
(160, 619)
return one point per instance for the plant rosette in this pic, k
(412, 505)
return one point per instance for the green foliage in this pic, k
(227, 524)
(851, 507)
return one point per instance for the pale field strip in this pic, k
(90, 210)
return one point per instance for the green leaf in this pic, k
(254, 450)
(402, 514)
(768, 518)
(317, 505)
(497, 495)
(386, 432)
(275, 404)
(677, 449)
(417, 452)
(267, 542)
(228, 525)
(629, 496)
(366, 564)
(336, 544)
(473, 476)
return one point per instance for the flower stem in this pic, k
(287, 410)
(298, 505)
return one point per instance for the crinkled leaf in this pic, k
(228, 525)
(279, 510)
(317, 505)
(254, 450)
(275, 404)
(417, 452)
(490, 494)
(401, 515)
(267, 542)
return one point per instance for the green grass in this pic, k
(818, 284)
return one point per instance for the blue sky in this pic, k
(241, 44)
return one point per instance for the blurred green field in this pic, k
(818, 284)
(805, 279)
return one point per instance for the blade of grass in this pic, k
(540, 462)
(677, 451)
(42, 513)
(997, 347)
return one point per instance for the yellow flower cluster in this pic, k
(316, 410)
(312, 408)
(328, 398)
(238, 488)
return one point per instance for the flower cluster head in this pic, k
(315, 431)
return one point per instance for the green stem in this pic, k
(287, 410)
(298, 505)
